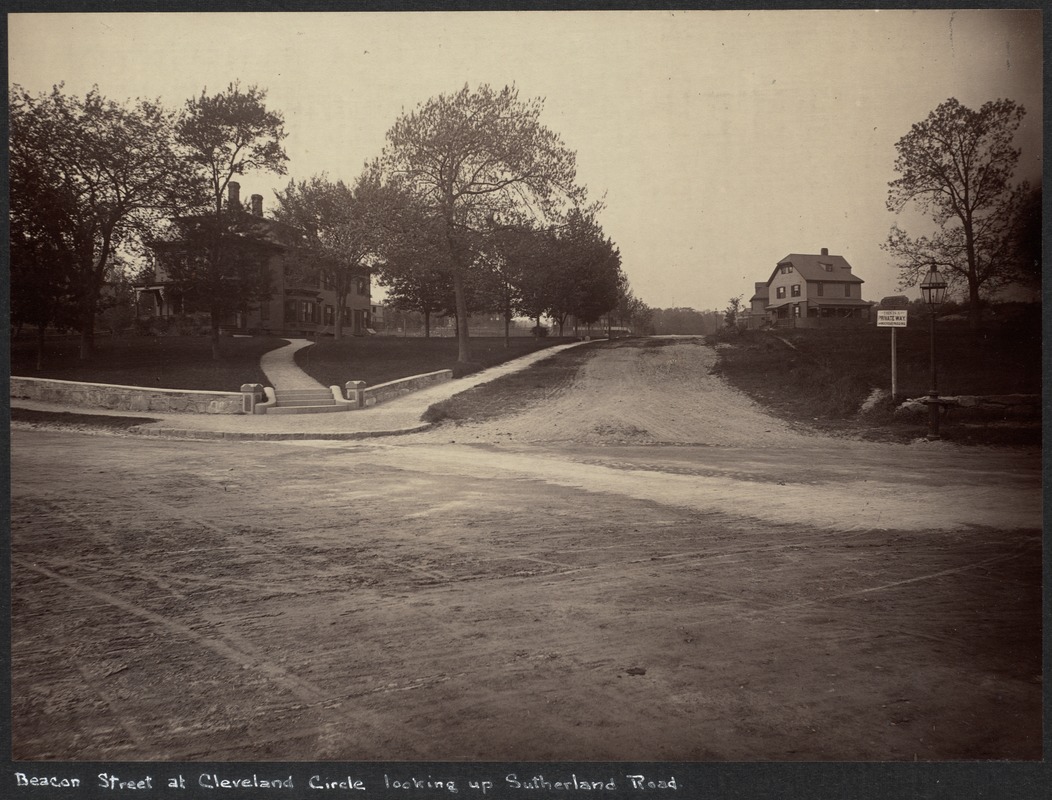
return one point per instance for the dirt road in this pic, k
(643, 567)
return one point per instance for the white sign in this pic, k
(891, 319)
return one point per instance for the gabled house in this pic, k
(757, 314)
(810, 290)
(302, 299)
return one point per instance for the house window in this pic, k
(779, 292)
(820, 289)
(362, 286)
(827, 267)
(309, 311)
(346, 316)
(786, 269)
(796, 290)
(264, 311)
(290, 311)
(847, 290)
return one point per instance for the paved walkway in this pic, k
(401, 415)
(280, 367)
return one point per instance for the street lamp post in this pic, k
(933, 288)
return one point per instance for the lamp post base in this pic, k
(933, 415)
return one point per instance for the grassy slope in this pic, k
(166, 362)
(516, 391)
(185, 362)
(386, 358)
(829, 374)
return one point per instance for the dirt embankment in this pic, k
(639, 392)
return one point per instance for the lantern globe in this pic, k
(933, 287)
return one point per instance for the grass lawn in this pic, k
(185, 362)
(826, 375)
(515, 391)
(165, 362)
(378, 359)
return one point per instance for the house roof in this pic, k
(242, 224)
(811, 267)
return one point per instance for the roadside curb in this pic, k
(174, 433)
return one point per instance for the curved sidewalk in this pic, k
(280, 367)
(398, 416)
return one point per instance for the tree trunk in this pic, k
(215, 337)
(507, 331)
(463, 346)
(41, 328)
(975, 312)
(427, 324)
(87, 331)
(87, 344)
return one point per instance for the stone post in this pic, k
(356, 392)
(251, 393)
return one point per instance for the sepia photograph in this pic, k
(542, 387)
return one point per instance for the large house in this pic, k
(302, 300)
(809, 290)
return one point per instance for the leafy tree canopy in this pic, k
(222, 136)
(474, 156)
(89, 175)
(957, 166)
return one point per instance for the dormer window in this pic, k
(785, 269)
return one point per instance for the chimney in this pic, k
(234, 195)
(825, 251)
(257, 205)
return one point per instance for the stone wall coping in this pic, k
(203, 392)
(424, 378)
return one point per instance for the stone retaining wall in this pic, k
(383, 392)
(125, 398)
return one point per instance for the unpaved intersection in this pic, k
(555, 585)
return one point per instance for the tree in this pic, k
(732, 314)
(519, 262)
(411, 256)
(474, 156)
(633, 313)
(1025, 236)
(88, 176)
(422, 291)
(343, 234)
(225, 135)
(588, 281)
(685, 321)
(957, 166)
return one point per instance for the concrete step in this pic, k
(308, 409)
(303, 397)
(303, 392)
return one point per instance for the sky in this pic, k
(719, 141)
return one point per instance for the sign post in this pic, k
(893, 318)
